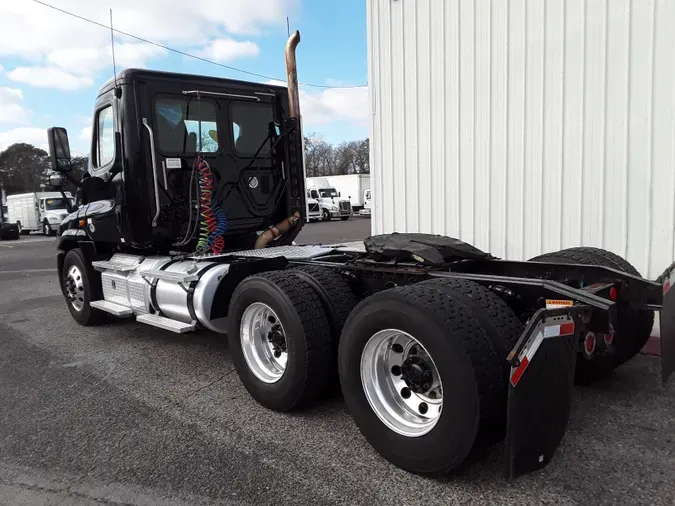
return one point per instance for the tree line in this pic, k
(25, 168)
(325, 159)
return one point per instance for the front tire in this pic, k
(325, 215)
(421, 378)
(344, 218)
(81, 284)
(47, 229)
(280, 341)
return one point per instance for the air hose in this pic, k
(213, 224)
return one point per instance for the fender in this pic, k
(97, 221)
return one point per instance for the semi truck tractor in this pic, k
(350, 186)
(332, 203)
(196, 191)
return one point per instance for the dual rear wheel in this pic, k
(422, 367)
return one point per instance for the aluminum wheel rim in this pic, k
(419, 412)
(261, 334)
(75, 287)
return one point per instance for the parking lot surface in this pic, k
(127, 414)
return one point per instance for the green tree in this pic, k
(23, 168)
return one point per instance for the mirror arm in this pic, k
(69, 207)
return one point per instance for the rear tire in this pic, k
(634, 325)
(338, 301)
(300, 373)
(80, 285)
(471, 378)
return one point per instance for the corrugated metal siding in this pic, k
(526, 126)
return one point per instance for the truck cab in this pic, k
(330, 201)
(313, 208)
(367, 202)
(163, 142)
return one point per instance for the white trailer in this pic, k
(352, 187)
(526, 127)
(37, 211)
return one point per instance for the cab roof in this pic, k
(129, 76)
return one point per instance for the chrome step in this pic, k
(173, 277)
(112, 308)
(166, 323)
(108, 265)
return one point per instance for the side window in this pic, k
(315, 194)
(251, 127)
(104, 141)
(186, 126)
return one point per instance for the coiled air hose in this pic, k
(213, 224)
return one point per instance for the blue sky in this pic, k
(52, 76)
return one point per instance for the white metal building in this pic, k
(525, 126)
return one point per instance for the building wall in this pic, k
(526, 126)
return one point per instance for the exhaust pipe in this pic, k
(292, 75)
(294, 112)
(275, 231)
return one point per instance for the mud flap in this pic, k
(540, 389)
(667, 318)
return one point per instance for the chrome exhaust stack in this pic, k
(292, 75)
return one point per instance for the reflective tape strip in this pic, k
(564, 329)
(525, 357)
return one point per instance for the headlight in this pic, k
(334, 208)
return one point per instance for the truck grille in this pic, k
(313, 208)
(345, 206)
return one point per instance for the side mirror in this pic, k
(339, 194)
(59, 149)
(55, 181)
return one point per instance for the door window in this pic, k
(186, 125)
(104, 141)
(251, 127)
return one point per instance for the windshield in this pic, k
(328, 193)
(54, 204)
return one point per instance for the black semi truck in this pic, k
(186, 221)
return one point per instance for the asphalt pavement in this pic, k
(126, 414)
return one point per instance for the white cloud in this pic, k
(77, 60)
(326, 106)
(134, 55)
(1, 68)
(49, 77)
(30, 135)
(83, 49)
(225, 50)
(11, 110)
(85, 134)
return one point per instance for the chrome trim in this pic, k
(216, 94)
(154, 170)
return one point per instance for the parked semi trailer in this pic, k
(442, 350)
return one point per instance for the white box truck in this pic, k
(38, 211)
